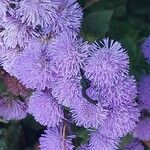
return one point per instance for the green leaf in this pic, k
(97, 24)
(2, 86)
(125, 140)
(120, 11)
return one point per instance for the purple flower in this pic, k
(34, 68)
(84, 147)
(3, 8)
(134, 145)
(37, 12)
(68, 16)
(99, 141)
(45, 109)
(11, 109)
(87, 114)
(15, 33)
(121, 120)
(107, 63)
(142, 130)
(146, 48)
(93, 92)
(144, 92)
(9, 56)
(54, 140)
(69, 54)
(124, 90)
(65, 91)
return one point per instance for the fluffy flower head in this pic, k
(11, 109)
(65, 91)
(142, 130)
(37, 12)
(33, 67)
(68, 53)
(68, 16)
(45, 109)
(121, 120)
(144, 92)
(87, 114)
(146, 48)
(107, 64)
(15, 33)
(124, 90)
(52, 139)
(98, 141)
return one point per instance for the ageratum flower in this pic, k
(99, 141)
(134, 145)
(125, 90)
(84, 147)
(11, 109)
(121, 120)
(3, 8)
(142, 130)
(93, 92)
(144, 92)
(68, 54)
(37, 12)
(65, 91)
(54, 140)
(68, 16)
(45, 109)
(33, 66)
(87, 114)
(9, 55)
(15, 33)
(146, 48)
(107, 63)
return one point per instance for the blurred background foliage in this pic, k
(127, 21)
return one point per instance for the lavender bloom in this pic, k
(3, 8)
(93, 92)
(99, 141)
(134, 145)
(11, 109)
(144, 92)
(69, 54)
(121, 120)
(9, 56)
(84, 147)
(142, 130)
(124, 90)
(45, 109)
(65, 91)
(52, 139)
(68, 16)
(15, 33)
(146, 48)
(34, 68)
(107, 64)
(37, 12)
(87, 114)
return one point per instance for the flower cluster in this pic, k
(41, 47)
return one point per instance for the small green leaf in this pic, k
(97, 24)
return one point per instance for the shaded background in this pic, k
(127, 21)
